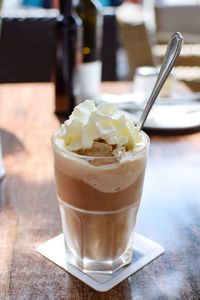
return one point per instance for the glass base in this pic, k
(98, 242)
(102, 266)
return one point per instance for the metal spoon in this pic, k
(173, 50)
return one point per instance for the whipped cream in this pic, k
(89, 122)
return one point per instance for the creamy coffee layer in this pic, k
(108, 178)
(79, 194)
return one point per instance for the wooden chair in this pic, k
(186, 20)
(183, 18)
(136, 41)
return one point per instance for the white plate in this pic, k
(136, 101)
(171, 117)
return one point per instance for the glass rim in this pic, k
(90, 158)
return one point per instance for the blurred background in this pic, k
(134, 34)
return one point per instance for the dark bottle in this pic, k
(68, 57)
(90, 70)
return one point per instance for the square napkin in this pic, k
(145, 250)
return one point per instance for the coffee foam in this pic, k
(105, 178)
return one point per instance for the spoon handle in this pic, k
(172, 52)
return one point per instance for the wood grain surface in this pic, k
(29, 215)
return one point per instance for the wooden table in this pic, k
(29, 215)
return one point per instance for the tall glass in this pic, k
(99, 199)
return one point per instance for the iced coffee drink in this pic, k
(100, 159)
